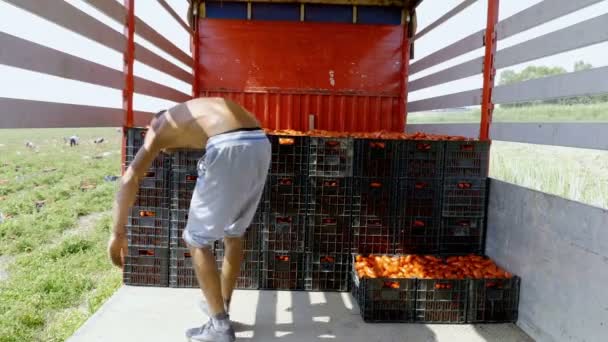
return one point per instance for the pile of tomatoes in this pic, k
(428, 267)
(368, 135)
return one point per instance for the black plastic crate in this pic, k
(467, 159)
(416, 235)
(148, 236)
(182, 187)
(283, 270)
(331, 157)
(136, 136)
(186, 160)
(383, 300)
(181, 273)
(329, 195)
(441, 300)
(375, 157)
(152, 197)
(327, 271)
(287, 194)
(284, 233)
(464, 197)
(418, 197)
(420, 159)
(249, 277)
(289, 155)
(372, 199)
(161, 162)
(372, 237)
(148, 226)
(135, 140)
(493, 300)
(461, 235)
(179, 219)
(328, 234)
(147, 266)
(154, 217)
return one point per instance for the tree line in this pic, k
(533, 72)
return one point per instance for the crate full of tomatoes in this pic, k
(429, 289)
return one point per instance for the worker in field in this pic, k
(232, 176)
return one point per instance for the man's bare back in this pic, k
(190, 124)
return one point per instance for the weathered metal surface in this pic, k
(573, 37)
(331, 112)
(163, 314)
(16, 113)
(116, 11)
(21, 53)
(348, 76)
(489, 70)
(462, 99)
(400, 3)
(69, 17)
(539, 14)
(580, 135)
(582, 83)
(463, 70)
(175, 16)
(467, 44)
(559, 248)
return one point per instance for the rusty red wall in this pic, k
(347, 75)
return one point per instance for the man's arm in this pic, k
(126, 195)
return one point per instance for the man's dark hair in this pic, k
(157, 115)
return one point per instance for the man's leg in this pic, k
(208, 279)
(231, 267)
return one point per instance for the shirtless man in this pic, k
(231, 180)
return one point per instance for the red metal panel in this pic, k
(489, 71)
(348, 76)
(129, 59)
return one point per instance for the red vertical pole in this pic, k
(128, 59)
(196, 90)
(489, 71)
(405, 65)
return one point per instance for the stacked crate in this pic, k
(146, 263)
(329, 209)
(373, 196)
(284, 214)
(464, 197)
(185, 170)
(419, 181)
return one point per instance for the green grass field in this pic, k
(541, 113)
(54, 272)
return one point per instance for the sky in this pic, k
(35, 86)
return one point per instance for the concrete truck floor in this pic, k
(139, 314)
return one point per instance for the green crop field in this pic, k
(55, 221)
(54, 272)
(542, 113)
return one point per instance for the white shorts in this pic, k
(231, 180)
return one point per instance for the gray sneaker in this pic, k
(209, 333)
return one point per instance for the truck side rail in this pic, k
(28, 55)
(580, 83)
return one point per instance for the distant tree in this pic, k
(581, 65)
(533, 72)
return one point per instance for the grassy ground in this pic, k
(57, 273)
(541, 113)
